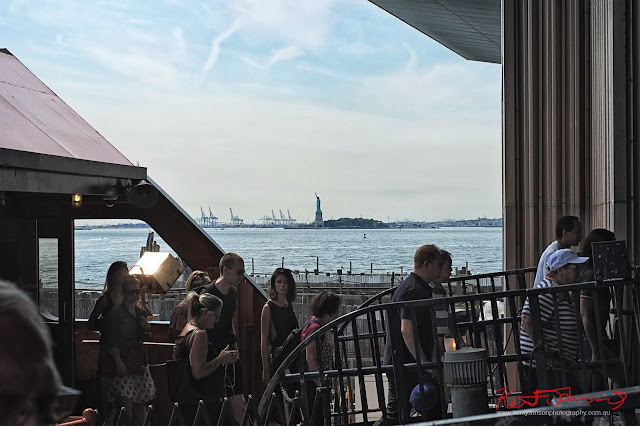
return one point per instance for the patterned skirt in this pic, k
(139, 388)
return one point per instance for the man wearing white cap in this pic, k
(561, 269)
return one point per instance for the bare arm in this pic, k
(589, 324)
(312, 357)
(95, 313)
(200, 368)
(265, 325)
(406, 328)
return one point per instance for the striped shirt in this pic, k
(568, 331)
(442, 310)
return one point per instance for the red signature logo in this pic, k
(563, 395)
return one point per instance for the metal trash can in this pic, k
(466, 373)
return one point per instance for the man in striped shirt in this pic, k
(557, 339)
(446, 323)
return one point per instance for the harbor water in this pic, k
(359, 250)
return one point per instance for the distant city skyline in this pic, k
(258, 104)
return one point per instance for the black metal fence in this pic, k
(488, 310)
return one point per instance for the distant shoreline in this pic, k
(456, 224)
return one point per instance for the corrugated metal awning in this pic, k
(471, 28)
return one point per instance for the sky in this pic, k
(257, 105)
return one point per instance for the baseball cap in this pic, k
(560, 258)
(430, 392)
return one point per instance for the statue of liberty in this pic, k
(318, 222)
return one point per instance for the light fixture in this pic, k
(157, 271)
(76, 200)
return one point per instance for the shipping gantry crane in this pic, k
(207, 221)
(235, 220)
(273, 221)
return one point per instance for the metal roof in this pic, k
(471, 28)
(34, 119)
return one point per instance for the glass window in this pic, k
(48, 278)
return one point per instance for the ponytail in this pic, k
(196, 303)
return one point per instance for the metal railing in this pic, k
(356, 378)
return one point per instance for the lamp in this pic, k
(76, 200)
(157, 271)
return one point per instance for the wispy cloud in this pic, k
(215, 45)
(296, 27)
(285, 54)
(365, 111)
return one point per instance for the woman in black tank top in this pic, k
(207, 364)
(278, 318)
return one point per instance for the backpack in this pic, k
(290, 343)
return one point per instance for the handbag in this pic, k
(182, 385)
(132, 355)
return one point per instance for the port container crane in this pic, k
(235, 220)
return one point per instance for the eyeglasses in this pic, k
(132, 291)
(216, 313)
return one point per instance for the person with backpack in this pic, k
(278, 318)
(325, 307)
(277, 322)
(207, 364)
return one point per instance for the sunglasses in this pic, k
(132, 291)
(238, 271)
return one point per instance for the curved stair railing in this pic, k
(358, 386)
(466, 284)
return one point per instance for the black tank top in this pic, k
(213, 384)
(284, 321)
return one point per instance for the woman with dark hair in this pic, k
(207, 364)
(588, 310)
(110, 298)
(127, 327)
(325, 307)
(111, 295)
(179, 318)
(278, 318)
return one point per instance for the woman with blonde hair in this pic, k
(207, 364)
(196, 280)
